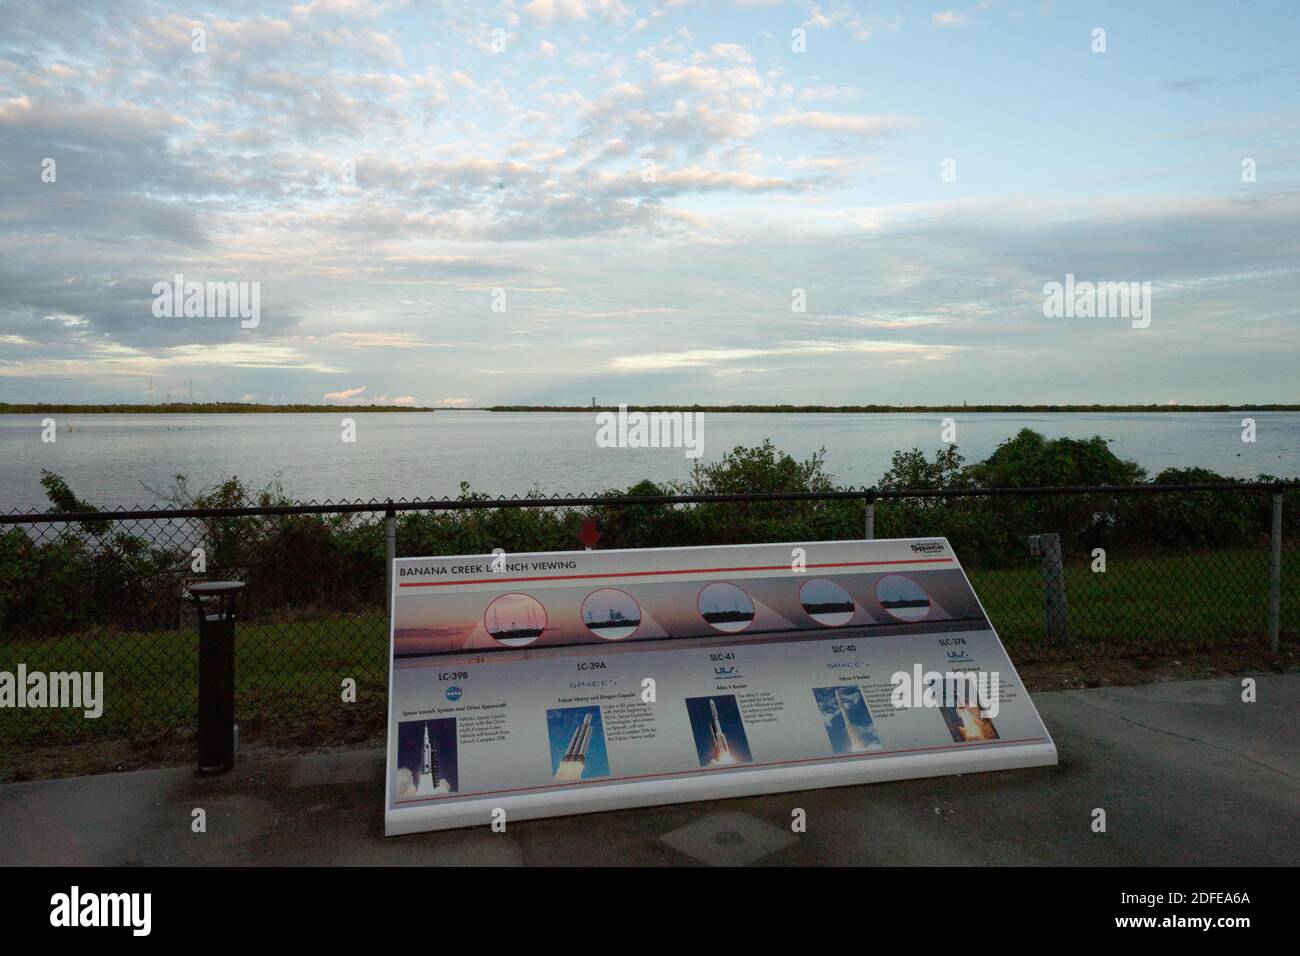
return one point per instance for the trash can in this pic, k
(216, 602)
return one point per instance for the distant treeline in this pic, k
(195, 408)
(878, 409)
(198, 408)
(126, 574)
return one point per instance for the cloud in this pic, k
(1222, 80)
(955, 18)
(696, 358)
(845, 124)
(668, 182)
(546, 12)
(344, 395)
(383, 340)
(380, 182)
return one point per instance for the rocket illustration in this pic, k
(574, 760)
(851, 732)
(429, 766)
(431, 781)
(578, 743)
(721, 748)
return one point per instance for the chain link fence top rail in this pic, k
(1148, 571)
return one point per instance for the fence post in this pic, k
(390, 521)
(871, 519)
(1275, 576)
(1048, 549)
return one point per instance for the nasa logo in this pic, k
(453, 692)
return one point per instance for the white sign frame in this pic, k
(739, 563)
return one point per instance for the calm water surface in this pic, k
(112, 460)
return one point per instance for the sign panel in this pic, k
(568, 682)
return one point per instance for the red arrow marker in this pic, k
(589, 534)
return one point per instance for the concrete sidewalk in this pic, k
(1186, 772)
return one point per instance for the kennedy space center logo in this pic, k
(927, 547)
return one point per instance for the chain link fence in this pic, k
(1146, 573)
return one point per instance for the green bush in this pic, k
(93, 573)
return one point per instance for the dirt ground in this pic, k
(177, 747)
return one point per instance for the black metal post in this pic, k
(216, 674)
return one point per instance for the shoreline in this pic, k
(893, 409)
(225, 408)
(198, 408)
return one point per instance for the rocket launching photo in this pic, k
(719, 731)
(431, 781)
(577, 759)
(428, 763)
(721, 749)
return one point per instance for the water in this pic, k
(112, 460)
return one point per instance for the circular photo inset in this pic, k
(726, 607)
(902, 597)
(515, 620)
(826, 602)
(611, 614)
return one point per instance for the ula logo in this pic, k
(652, 430)
(103, 909)
(208, 300)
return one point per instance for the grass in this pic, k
(282, 668)
(1151, 604)
(289, 672)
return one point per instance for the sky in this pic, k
(718, 201)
